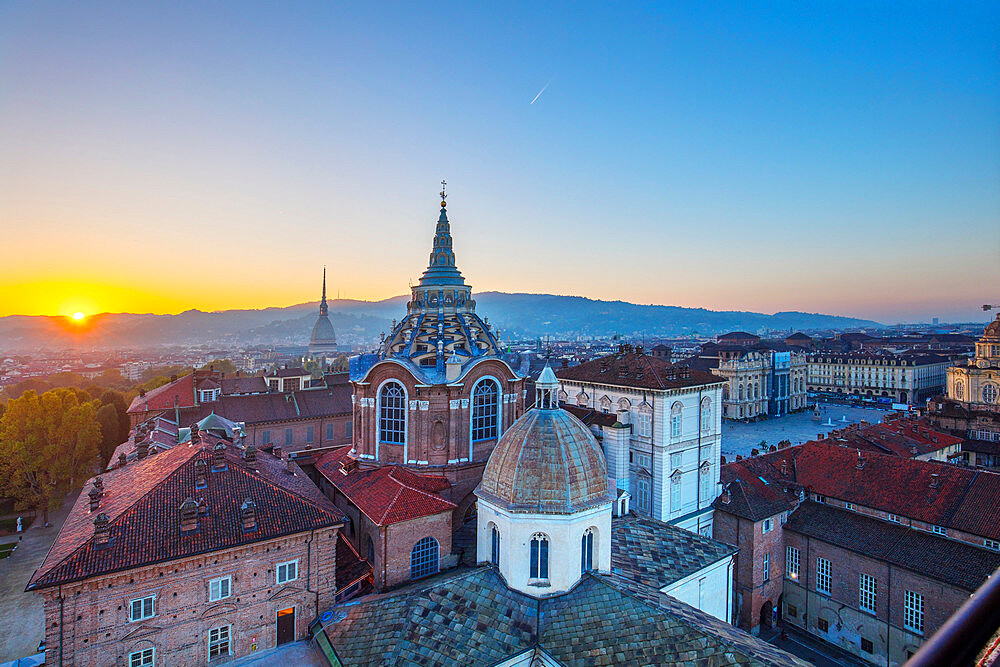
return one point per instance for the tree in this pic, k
(116, 398)
(107, 418)
(221, 365)
(48, 446)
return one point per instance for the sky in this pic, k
(836, 157)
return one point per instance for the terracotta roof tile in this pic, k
(628, 369)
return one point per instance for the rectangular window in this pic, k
(991, 544)
(218, 642)
(867, 589)
(792, 563)
(310, 433)
(675, 426)
(784, 518)
(706, 483)
(644, 460)
(822, 624)
(706, 419)
(645, 424)
(265, 437)
(219, 588)
(768, 525)
(939, 530)
(143, 658)
(329, 431)
(288, 436)
(287, 571)
(348, 429)
(676, 459)
(913, 612)
(822, 576)
(820, 499)
(643, 489)
(675, 492)
(895, 518)
(849, 506)
(791, 610)
(767, 567)
(142, 608)
(867, 646)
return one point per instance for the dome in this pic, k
(548, 462)
(323, 331)
(992, 329)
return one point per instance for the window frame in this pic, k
(538, 559)
(218, 580)
(913, 612)
(488, 424)
(767, 525)
(421, 564)
(824, 575)
(141, 653)
(218, 642)
(867, 593)
(792, 563)
(767, 566)
(142, 608)
(395, 424)
(284, 564)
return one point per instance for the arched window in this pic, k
(495, 545)
(424, 558)
(582, 398)
(705, 479)
(959, 390)
(706, 415)
(675, 420)
(485, 411)
(725, 392)
(392, 414)
(539, 562)
(587, 551)
(605, 404)
(741, 392)
(989, 393)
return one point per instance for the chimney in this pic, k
(289, 464)
(219, 457)
(248, 515)
(142, 449)
(122, 460)
(99, 484)
(935, 480)
(189, 515)
(276, 450)
(199, 474)
(250, 454)
(784, 467)
(726, 497)
(195, 435)
(101, 532)
(95, 498)
(861, 461)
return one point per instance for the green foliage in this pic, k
(107, 418)
(10, 525)
(116, 398)
(221, 365)
(48, 446)
(162, 373)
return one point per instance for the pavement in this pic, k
(811, 649)
(299, 654)
(22, 615)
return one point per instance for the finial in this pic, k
(443, 195)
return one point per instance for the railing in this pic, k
(967, 632)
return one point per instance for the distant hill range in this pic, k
(518, 316)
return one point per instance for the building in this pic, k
(910, 379)
(665, 444)
(438, 394)
(200, 552)
(545, 592)
(871, 552)
(323, 341)
(900, 436)
(975, 384)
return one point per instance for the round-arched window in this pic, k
(485, 411)
(959, 390)
(494, 544)
(392, 414)
(538, 566)
(424, 558)
(990, 393)
(587, 550)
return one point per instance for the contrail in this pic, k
(540, 93)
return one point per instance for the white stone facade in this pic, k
(900, 379)
(709, 589)
(673, 447)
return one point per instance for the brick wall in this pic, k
(91, 624)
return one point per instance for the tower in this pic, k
(323, 341)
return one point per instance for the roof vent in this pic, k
(189, 515)
(685, 372)
(195, 435)
(248, 515)
(861, 461)
(726, 497)
(276, 450)
(250, 454)
(348, 465)
(102, 534)
(289, 464)
(94, 495)
(122, 460)
(200, 480)
(142, 449)
(219, 457)
(99, 484)
(935, 480)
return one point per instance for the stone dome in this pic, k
(992, 329)
(548, 462)
(323, 331)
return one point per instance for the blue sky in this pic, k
(831, 157)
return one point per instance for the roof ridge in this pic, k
(389, 506)
(649, 364)
(253, 472)
(414, 488)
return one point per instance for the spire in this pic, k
(323, 308)
(441, 268)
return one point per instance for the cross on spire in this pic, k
(443, 194)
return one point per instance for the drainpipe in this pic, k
(888, 617)
(62, 601)
(385, 555)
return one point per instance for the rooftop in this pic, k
(630, 369)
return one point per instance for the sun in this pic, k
(78, 316)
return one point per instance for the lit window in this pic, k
(424, 558)
(913, 612)
(142, 608)
(218, 642)
(143, 658)
(823, 576)
(219, 588)
(392, 414)
(485, 413)
(849, 506)
(587, 551)
(867, 590)
(792, 563)
(539, 565)
(287, 571)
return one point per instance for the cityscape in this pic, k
(285, 382)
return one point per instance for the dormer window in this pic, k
(208, 395)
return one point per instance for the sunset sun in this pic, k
(78, 316)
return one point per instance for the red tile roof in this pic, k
(388, 494)
(941, 494)
(902, 437)
(162, 398)
(628, 369)
(142, 503)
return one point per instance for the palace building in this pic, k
(438, 393)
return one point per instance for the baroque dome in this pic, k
(992, 329)
(548, 462)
